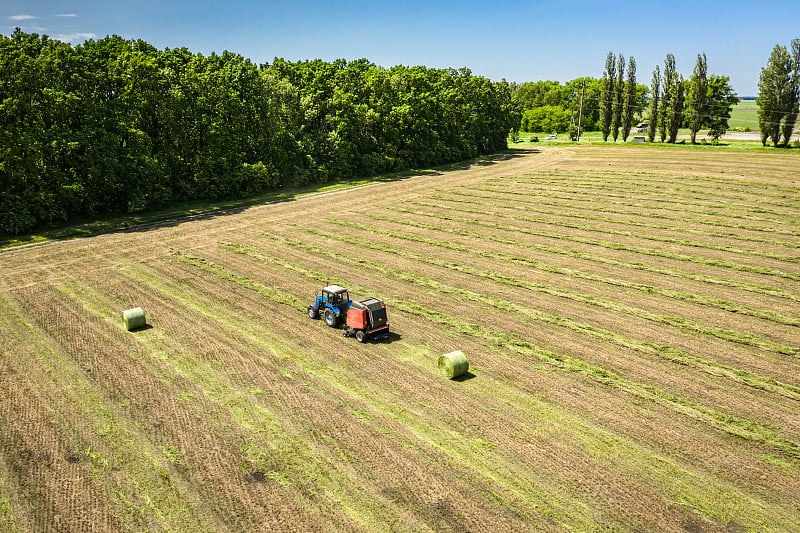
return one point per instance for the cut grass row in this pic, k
(610, 245)
(704, 185)
(775, 225)
(630, 186)
(497, 470)
(718, 303)
(731, 424)
(629, 209)
(268, 437)
(676, 321)
(515, 310)
(677, 482)
(613, 194)
(547, 221)
(501, 201)
(112, 445)
(596, 258)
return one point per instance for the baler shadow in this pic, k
(393, 337)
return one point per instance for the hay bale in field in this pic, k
(453, 364)
(134, 318)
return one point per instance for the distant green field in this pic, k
(744, 115)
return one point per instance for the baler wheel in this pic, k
(360, 336)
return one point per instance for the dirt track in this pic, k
(630, 318)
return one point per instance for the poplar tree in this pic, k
(616, 106)
(655, 90)
(629, 100)
(697, 97)
(667, 103)
(675, 113)
(607, 95)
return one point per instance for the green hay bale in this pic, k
(453, 364)
(134, 318)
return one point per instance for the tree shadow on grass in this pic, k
(194, 211)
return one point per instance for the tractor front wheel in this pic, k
(330, 318)
(313, 312)
(360, 336)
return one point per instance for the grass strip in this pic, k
(464, 197)
(658, 211)
(651, 349)
(730, 424)
(113, 446)
(676, 479)
(619, 233)
(618, 181)
(269, 438)
(8, 522)
(633, 265)
(649, 211)
(272, 293)
(490, 465)
(739, 337)
(611, 245)
(643, 196)
(717, 303)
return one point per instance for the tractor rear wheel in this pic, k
(360, 336)
(330, 318)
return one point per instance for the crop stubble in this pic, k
(571, 419)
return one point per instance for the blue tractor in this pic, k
(333, 304)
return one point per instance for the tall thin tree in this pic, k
(655, 90)
(675, 113)
(629, 102)
(619, 89)
(667, 103)
(607, 95)
(697, 97)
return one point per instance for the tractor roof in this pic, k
(334, 289)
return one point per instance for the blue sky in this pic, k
(515, 40)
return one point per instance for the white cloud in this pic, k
(67, 15)
(22, 17)
(72, 37)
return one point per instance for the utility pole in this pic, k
(580, 111)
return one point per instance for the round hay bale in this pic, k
(134, 318)
(453, 364)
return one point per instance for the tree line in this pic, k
(613, 103)
(116, 126)
(779, 95)
(702, 101)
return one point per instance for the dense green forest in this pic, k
(115, 126)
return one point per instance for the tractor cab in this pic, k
(335, 296)
(332, 303)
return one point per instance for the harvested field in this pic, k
(631, 317)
